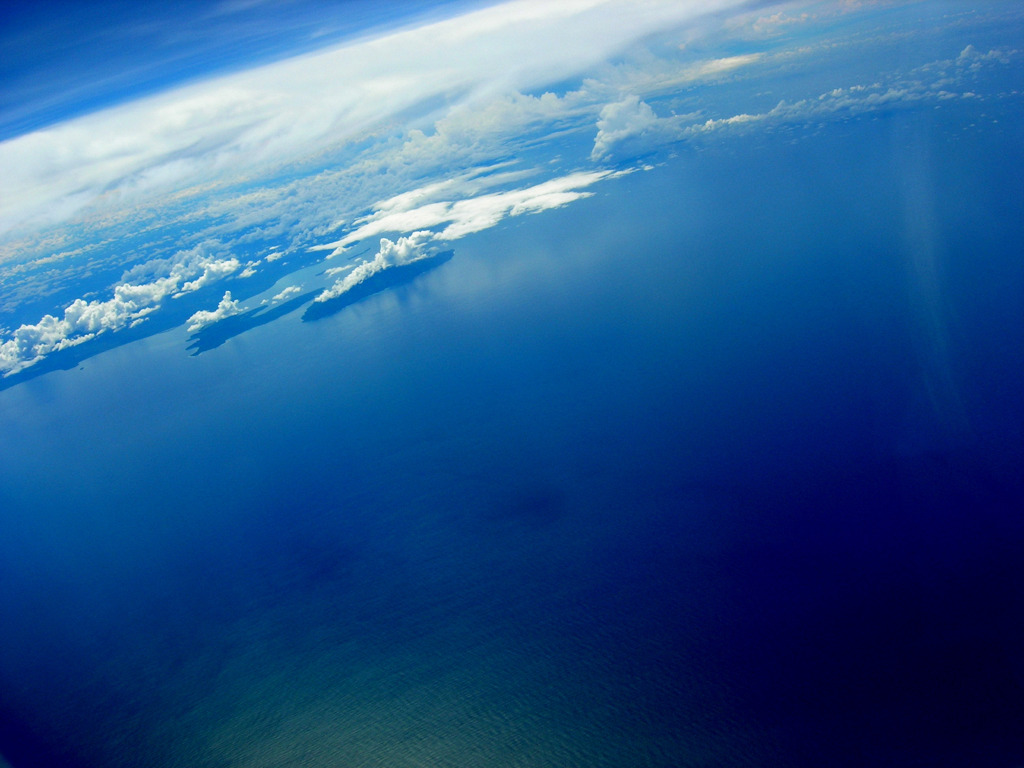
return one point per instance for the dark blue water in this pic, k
(721, 466)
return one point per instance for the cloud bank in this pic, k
(621, 120)
(280, 114)
(862, 99)
(412, 211)
(406, 251)
(633, 122)
(132, 301)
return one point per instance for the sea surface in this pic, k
(720, 466)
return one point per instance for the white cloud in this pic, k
(468, 215)
(648, 76)
(391, 254)
(82, 320)
(287, 293)
(250, 122)
(131, 303)
(440, 114)
(713, 67)
(973, 59)
(185, 271)
(212, 271)
(470, 131)
(712, 124)
(776, 22)
(626, 118)
(203, 317)
(338, 270)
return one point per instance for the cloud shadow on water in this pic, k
(381, 281)
(212, 336)
(170, 313)
(177, 312)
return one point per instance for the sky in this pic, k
(63, 59)
(427, 121)
(287, 111)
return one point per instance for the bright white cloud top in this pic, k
(282, 113)
(203, 317)
(461, 217)
(428, 133)
(140, 294)
(406, 251)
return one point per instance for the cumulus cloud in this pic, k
(185, 271)
(82, 320)
(973, 60)
(139, 294)
(212, 271)
(391, 254)
(626, 118)
(287, 293)
(204, 317)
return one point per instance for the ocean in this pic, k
(720, 466)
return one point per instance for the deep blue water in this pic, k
(721, 466)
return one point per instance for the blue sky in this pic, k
(282, 113)
(63, 59)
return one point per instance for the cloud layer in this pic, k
(277, 115)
